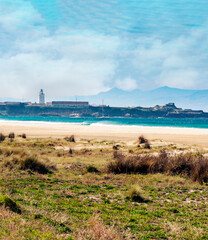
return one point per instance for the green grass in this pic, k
(71, 203)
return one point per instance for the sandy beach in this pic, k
(189, 136)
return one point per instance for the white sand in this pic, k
(191, 136)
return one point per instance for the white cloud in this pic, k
(63, 64)
(67, 61)
(127, 84)
(179, 62)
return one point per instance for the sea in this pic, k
(151, 122)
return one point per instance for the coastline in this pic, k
(188, 136)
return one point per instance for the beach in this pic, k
(187, 136)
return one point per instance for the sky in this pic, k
(83, 47)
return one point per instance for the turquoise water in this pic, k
(159, 122)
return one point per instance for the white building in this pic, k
(41, 97)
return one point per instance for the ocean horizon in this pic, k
(201, 123)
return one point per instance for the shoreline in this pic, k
(187, 136)
(179, 130)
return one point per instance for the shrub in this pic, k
(9, 203)
(28, 163)
(11, 135)
(121, 166)
(159, 164)
(116, 147)
(147, 146)
(136, 194)
(2, 137)
(92, 169)
(70, 139)
(143, 140)
(135, 164)
(32, 163)
(24, 135)
(200, 171)
(181, 164)
(191, 165)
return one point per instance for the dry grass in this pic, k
(193, 165)
(98, 231)
(29, 162)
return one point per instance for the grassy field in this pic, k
(56, 189)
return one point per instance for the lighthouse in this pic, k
(41, 97)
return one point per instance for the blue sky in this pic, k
(77, 47)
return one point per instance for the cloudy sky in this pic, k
(78, 47)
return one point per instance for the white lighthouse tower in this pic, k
(41, 97)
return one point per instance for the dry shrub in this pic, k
(147, 146)
(34, 164)
(2, 137)
(11, 135)
(135, 164)
(29, 163)
(200, 171)
(181, 164)
(24, 135)
(158, 164)
(98, 231)
(143, 140)
(116, 147)
(136, 194)
(70, 139)
(193, 165)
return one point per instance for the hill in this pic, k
(191, 99)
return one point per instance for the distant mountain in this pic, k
(193, 99)
(186, 99)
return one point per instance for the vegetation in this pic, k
(158, 194)
(70, 139)
(2, 137)
(193, 165)
(92, 169)
(136, 194)
(9, 203)
(147, 146)
(28, 163)
(24, 135)
(142, 140)
(11, 135)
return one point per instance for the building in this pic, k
(16, 103)
(69, 103)
(41, 97)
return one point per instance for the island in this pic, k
(77, 110)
